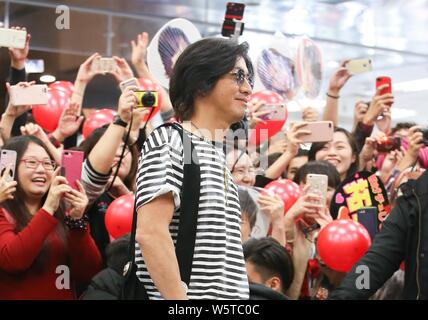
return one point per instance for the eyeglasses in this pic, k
(240, 77)
(32, 163)
(244, 172)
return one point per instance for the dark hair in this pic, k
(248, 205)
(170, 39)
(402, 125)
(317, 146)
(16, 207)
(89, 143)
(270, 259)
(198, 69)
(318, 167)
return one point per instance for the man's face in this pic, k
(229, 96)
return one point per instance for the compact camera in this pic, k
(147, 99)
(388, 143)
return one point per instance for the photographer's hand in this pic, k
(123, 71)
(127, 102)
(379, 105)
(18, 56)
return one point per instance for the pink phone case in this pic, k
(71, 166)
(8, 157)
(321, 131)
(33, 95)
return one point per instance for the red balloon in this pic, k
(342, 243)
(146, 84)
(47, 116)
(65, 86)
(287, 190)
(263, 131)
(97, 120)
(119, 214)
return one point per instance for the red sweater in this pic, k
(20, 280)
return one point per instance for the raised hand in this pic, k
(18, 56)
(123, 71)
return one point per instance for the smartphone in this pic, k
(8, 158)
(234, 10)
(104, 65)
(35, 66)
(321, 131)
(318, 184)
(129, 82)
(381, 81)
(368, 218)
(276, 112)
(33, 95)
(71, 166)
(359, 66)
(12, 38)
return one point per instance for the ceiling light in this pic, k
(47, 78)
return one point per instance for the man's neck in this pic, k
(211, 128)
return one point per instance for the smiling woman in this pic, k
(36, 237)
(341, 152)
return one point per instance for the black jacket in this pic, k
(404, 236)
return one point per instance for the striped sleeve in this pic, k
(93, 182)
(160, 168)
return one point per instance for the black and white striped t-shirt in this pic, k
(218, 270)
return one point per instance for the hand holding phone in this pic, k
(71, 166)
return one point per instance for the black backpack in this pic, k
(133, 288)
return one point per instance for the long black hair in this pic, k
(198, 69)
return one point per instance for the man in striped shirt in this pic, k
(209, 88)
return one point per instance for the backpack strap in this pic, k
(185, 244)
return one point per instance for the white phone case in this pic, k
(12, 38)
(33, 95)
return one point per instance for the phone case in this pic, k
(234, 10)
(381, 81)
(368, 218)
(321, 131)
(36, 94)
(359, 66)
(10, 38)
(129, 82)
(277, 112)
(71, 166)
(104, 65)
(318, 184)
(8, 157)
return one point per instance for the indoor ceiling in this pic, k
(390, 32)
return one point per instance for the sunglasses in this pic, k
(240, 77)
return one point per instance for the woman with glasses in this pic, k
(45, 245)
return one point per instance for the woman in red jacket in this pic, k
(45, 245)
